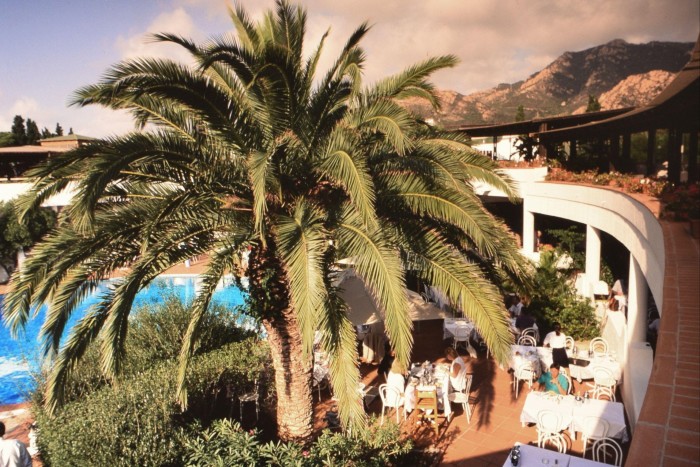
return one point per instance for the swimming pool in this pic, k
(18, 358)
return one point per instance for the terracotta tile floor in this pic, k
(495, 425)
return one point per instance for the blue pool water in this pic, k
(18, 358)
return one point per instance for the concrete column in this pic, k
(528, 228)
(637, 293)
(693, 157)
(592, 255)
(651, 148)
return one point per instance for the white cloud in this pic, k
(137, 45)
(497, 41)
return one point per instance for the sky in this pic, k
(51, 48)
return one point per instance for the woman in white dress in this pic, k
(458, 366)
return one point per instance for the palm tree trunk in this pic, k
(292, 378)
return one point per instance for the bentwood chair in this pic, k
(598, 346)
(549, 427)
(523, 372)
(251, 396)
(570, 344)
(607, 451)
(531, 332)
(527, 340)
(462, 396)
(593, 429)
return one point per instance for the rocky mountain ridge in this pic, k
(620, 74)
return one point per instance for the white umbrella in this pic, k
(362, 308)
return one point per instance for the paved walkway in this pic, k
(668, 430)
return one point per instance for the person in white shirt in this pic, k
(458, 367)
(13, 453)
(557, 341)
(396, 379)
(516, 307)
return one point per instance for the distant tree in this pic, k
(527, 147)
(32, 132)
(520, 114)
(70, 131)
(16, 235)
(59, 130)
(6, 139)
(19, 132)
(593, 104)
(46, 133)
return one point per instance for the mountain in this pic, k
(618, 73)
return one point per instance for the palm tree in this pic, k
(249, 150)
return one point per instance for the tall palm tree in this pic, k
(250, 150)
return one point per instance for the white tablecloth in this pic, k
(442, 375)
(532, 456)
(544, 357)
(587, 372)
(573, 413)
(450, 327)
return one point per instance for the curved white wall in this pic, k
(626, 219)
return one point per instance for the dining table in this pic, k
(582, 366)
(451, 325)
(426, 377)
(533, 456)
(574, 412)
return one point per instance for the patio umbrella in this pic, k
(362, 308)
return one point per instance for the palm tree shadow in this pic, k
(483, 385)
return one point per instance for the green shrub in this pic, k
(225, 443)
(554, 300)
(137, 421)
(155, 335)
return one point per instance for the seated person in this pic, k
(516, 307)
(458, 367)
(525, 320)
(396, 377)
(386, 363)
(553, 381)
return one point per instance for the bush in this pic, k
(137, 421)
(155, 335)
(555, 301)
(225, 443)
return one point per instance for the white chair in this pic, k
(527, 340)
(604, 393)
(603, 377)
(462, 336)
(391, 398)
(570, 388)
(549, 427)
(598, 346)
(319, 381)
(570, 343)
(593, 429)
(462, 397)
(524, 372)
(531, 332)
(250, 397)
(606, 449)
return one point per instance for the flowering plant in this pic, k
(625, 182)
(681, 202)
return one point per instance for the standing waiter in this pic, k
(557, 341)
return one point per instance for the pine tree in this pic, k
(18, 131)
(593, 104)
(46, 133)
(70, 131)
(59, 130)
(32, 132)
